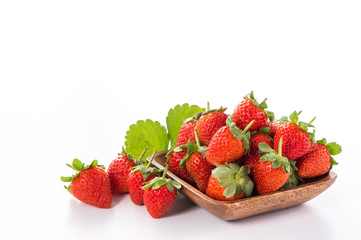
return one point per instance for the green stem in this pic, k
(72, 167)
(197, 138)
(299, 113)
(151, 159)
(280, 147)
(165, 171)
(142, 155)
(313, 119)
(208, 106)
(248, 126)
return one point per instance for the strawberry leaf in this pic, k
(230, 190)
(177, 116)
(146, 134)
(77, 164)
(333, 148)
(66, 179)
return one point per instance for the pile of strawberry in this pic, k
(230, 157)
(227, 157)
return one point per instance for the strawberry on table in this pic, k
(272, 172)
(318, 160)
(90, 184)
(138, 176)
(250, 110)
(229, 182)
(119, 170)
(160, 194)
(228, 144)
(296, 139)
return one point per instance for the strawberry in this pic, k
(229, 182)
(119, 170)
(248, 110)
(253, 157)
(258, 137)
(296, 139)
(186, 132)
(209, 123)
(174, 157)
(228, 144)
(90, 185)
(318, 160)
(197, 165)
(160, 194)
(272, 172)
(137, 177)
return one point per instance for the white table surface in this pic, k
(74, 75)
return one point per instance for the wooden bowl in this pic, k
(231, 210)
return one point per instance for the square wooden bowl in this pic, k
(232, 210)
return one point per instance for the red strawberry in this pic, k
(296, 139)
(318, 160)
(118, 172)
(186, 133)
(274, 125)
(137, 177)
(253, 157)
(175, 156)
(160, 194)
(248, 110)
(228, 144)
(272, 172)
(257, 138)
(229, 182)
(197, 165)
(209, 123)
(90, 185)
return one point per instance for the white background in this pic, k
(75, 74)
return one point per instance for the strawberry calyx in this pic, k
(158, 182)
(208, 111)
(193, 147)
(270, 155)
(333, 148)
(243, 135)
(145, 169)
(234, 178)
(130, 157)
(78, 166)
(262, 105)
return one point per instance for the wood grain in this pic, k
(232, 210)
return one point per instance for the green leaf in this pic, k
(294, 117)
(66, 179)
(177, 116)
(333, 148)
(265, 148)
(323, 141)
(146, 134)
(77, 164)
(160, 182)
(263, 105)
(225, 181)
(176, 184)
(248, 187)
(94, 163)
(230, 190)
(220, 171)
(333, 161)
(265, 130)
